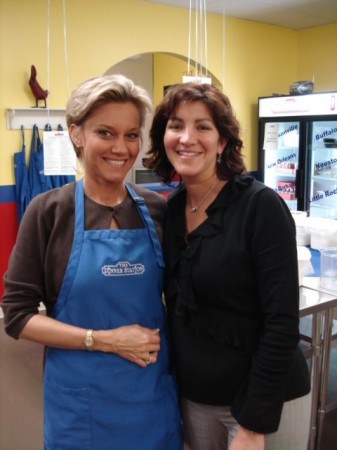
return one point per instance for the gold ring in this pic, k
(150, 359)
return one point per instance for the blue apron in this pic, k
(22, 189)
(38, 181)
(96, 400)
(60, 180)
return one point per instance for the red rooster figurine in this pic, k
(38, 92)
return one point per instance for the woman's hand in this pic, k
(246, 440)
(135, 343)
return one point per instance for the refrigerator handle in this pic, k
(299, 184)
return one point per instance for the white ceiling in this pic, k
(296, 14)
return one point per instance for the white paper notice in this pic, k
(59, 154)
(270, 136)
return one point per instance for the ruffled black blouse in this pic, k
(232, 296)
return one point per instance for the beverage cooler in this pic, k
(298, 150)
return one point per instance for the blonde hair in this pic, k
(98, 91)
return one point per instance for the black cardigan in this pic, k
(232, 296)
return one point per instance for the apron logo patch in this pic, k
(122, 268)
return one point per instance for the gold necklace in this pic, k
(195, 208)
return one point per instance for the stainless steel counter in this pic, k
(318, 302)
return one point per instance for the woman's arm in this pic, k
(131, 342)
(39, 258)
(274, 260)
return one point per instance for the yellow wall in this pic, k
(250, 59)
(317, 57)
(169, 70)
(260, 60)
(100, 33)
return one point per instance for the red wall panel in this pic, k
(8, 232)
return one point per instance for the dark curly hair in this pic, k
(224, 119)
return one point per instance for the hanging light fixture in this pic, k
(199, 30)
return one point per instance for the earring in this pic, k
(219, 158)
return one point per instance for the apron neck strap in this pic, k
(148, 222)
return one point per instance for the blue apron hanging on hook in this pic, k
(60, 180)
(22, 188)
(38, 181)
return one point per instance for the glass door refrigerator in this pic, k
(297, 154)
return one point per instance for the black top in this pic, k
(233, 301)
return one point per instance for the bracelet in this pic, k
(89, 340)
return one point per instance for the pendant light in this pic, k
(199, 31)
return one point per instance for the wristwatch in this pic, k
(89, 340)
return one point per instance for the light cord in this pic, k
(189, 39)
(206, 40)
(223, 45)
(196, 39)
(200, 39)
(65, 46)
(48, 56)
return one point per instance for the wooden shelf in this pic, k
(28, 117)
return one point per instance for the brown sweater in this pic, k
(39, 258)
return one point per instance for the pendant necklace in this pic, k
(195, 208)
